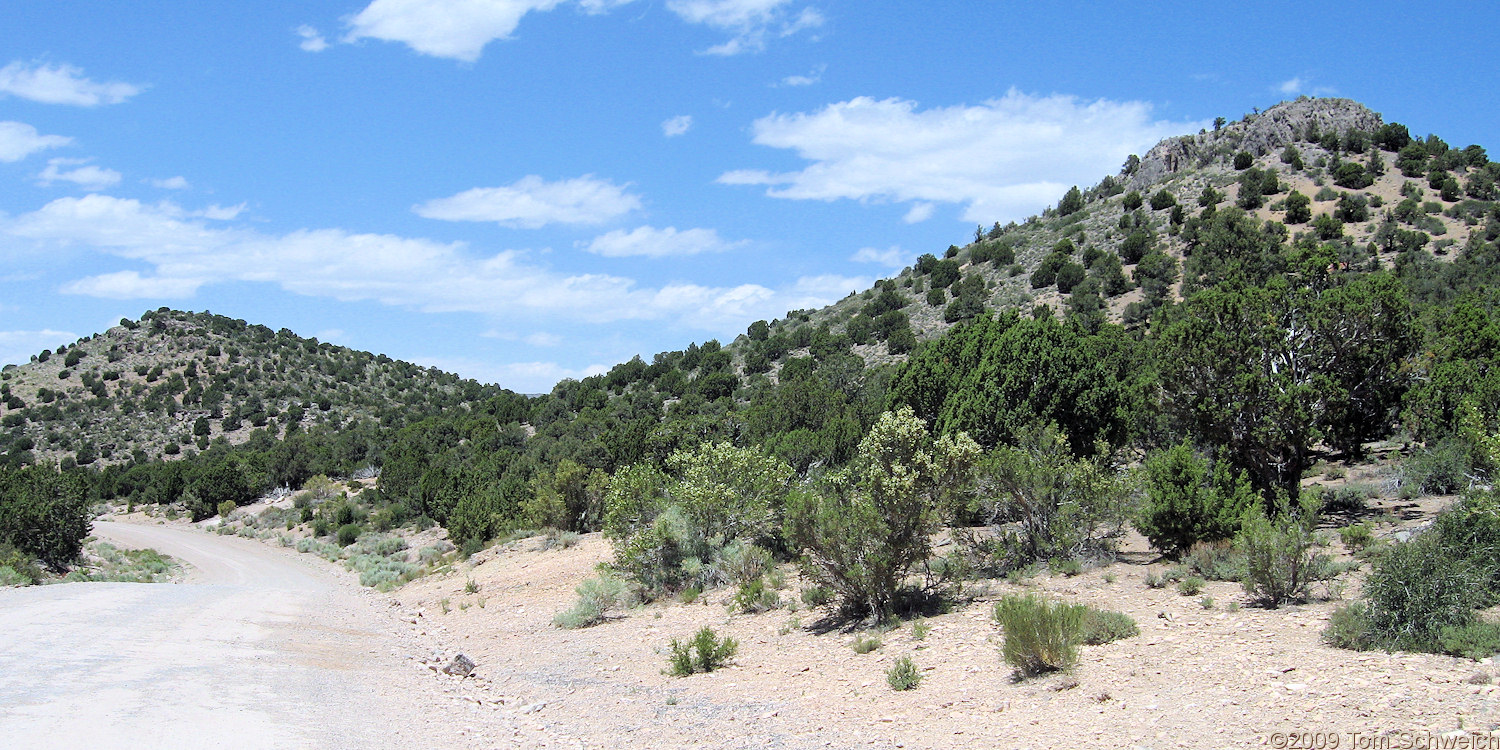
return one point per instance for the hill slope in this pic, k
(179, 380)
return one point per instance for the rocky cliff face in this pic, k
(1258, 134)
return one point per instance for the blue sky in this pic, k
(525, 190)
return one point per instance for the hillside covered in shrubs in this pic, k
(1172, 350)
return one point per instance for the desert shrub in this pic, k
(1216, 561)
(380, 572)
(755, 596)
(673, 531)
(1190, 586)
(1101, 626)
(226, 507)
(1348, 499)
(1281, 559)
(1069, 567)
(1476, 640)
(16, 567)
(866, 527)
(1189, 500)
(920, 629)
(903, 675)
(559, 539)
(321, 527)
(1043, 503)
(1356, 537)
(348, 533)
(817, 596)
(1040, 635)
(864, 644)
(742, 563)
(596, 597)
(1440, 469)
(704, 652)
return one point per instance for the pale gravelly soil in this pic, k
(1194, 678)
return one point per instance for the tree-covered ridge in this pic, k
(175, 381)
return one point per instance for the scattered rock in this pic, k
(460, 666)
(1479, 678)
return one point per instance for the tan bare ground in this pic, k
(1194, 677)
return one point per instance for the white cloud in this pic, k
(1002, 159)
(457, 29)
(749, 22)
(183, 253)
(1299, 85)
(658, 243)
(19, 140)
(221, 213)
(16, 347)
(677, 125)
(811, 78)
(61, 84)
(521, 377)
(171, 183)
(532, 202)
(131, 285)
(893, 256)
(312, 41)
(84, 175)
(542, 338)
(919, 213)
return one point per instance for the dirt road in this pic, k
(261, 648)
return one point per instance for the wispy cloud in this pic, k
(677, 125)
(1001, 159)
(82, 174)
(651, 242)
(19, 140)
(312, 41)
(749, 22)
(182, 253)
(891, 257)
(1298, 85)
(171, 183)
(61, 84)
(532, 202)
(813, 76)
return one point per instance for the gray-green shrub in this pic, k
(1281, 557)
(704, 652)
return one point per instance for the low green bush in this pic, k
(755, 596)
(704, 652)
(864, 644)
(817, 596)
(349, 533)
(1476, 640)
(1216, 561)
(1101, 626)
(596, 597)
(903, 675)
(1281, 558)
(1040, 635)
(1190, 586)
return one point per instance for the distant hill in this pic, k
(173, 382)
